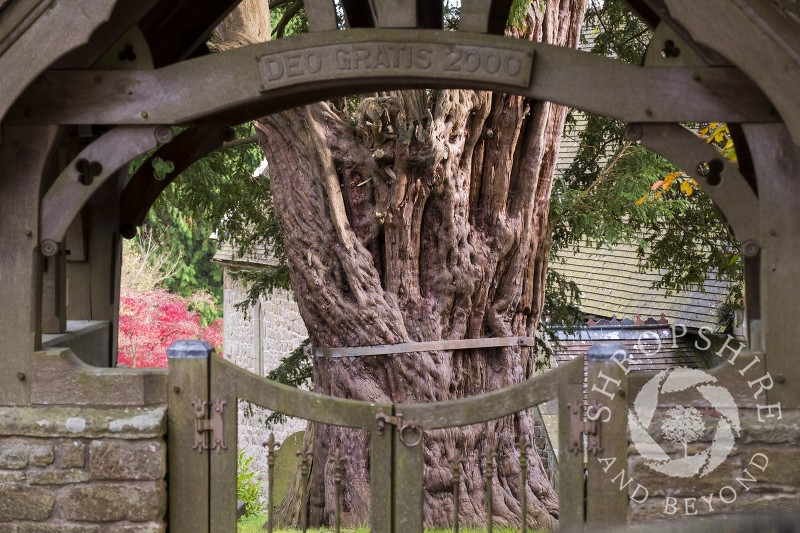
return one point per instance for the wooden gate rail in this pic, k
(564, 382)
(196, 376)
(204, 392)
(495, 404)
(230, 382)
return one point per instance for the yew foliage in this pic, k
(149, 321)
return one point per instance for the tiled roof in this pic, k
(649, 347)
(610, 284)
(570, 141)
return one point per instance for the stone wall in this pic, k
(258, 340)
(761, 475)
(86, 470)
(735, 420)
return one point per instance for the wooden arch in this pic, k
(84, 91)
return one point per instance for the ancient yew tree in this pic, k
(422, 215)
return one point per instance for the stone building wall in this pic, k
(87, 470)
(258, 341)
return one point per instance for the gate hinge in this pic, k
(579, 428)
(402, 427)
(209, 420)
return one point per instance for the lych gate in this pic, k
(86, 90)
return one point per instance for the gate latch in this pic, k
(209, 420)
(579, 428)
(403, 426)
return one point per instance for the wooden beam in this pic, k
(24, 155)
(89, 170)
(321, 15)
(396, 13)
(17, 17)
(757, 39)
(143, 189)
(174, 29)
(725, 185)
(121, 22)
(474, 15)
(47, 38)
(264, 78)
(652, 11)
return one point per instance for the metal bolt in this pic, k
(176, 389)
(634, 132)
(28, 232)
(21, 376)
(772, 233)
(98, 79)
(750, 248)
(621, 393)
(128, 231)
(779, 378)
(164, 134)
(696, 76)
(48, 247)
(648, 112)
(145, 114)
(217, 408)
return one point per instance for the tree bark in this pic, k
(425, 218)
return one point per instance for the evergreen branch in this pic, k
(277, 3)
(594, 183)
(291, 11)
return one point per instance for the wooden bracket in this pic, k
(209, 423)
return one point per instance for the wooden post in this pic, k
(777, 164)
(24, 155)
(188, 460)
(223, 452)
(408, 483)
(570, 458)
(605, 427)
(54, 293)
(380, 466)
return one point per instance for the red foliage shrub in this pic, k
(150, 321)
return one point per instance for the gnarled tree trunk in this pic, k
(425, 219)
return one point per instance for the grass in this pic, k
(253, 524)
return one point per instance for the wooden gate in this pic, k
(204, 391)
